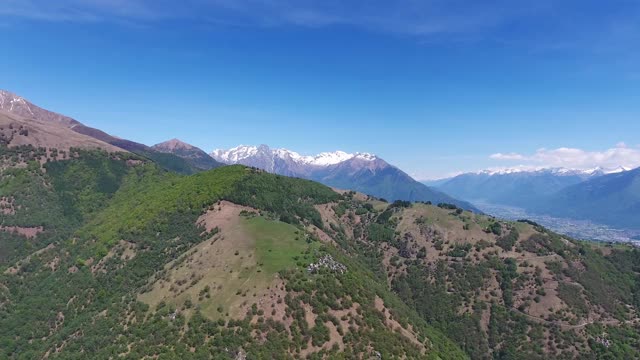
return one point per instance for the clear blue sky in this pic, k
(434, 87)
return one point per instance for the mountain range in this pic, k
(363, 172)
(19, 106)
(108, 253)
(607, 196)
(612, 199)
(554, 191)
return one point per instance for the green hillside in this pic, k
(112, 229)
(110, 255)
(505, 290)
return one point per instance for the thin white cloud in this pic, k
(620, 155)
(610, 31)
(509, 156)
(424, 17)
(91, 10)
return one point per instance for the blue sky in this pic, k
(434, 87)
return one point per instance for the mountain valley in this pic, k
(319, 180)
(606, 196)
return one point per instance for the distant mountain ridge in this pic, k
(196, 156)
(516, 187)
(612, 199)
(361, 172)
(559, 171)
(17, 105)
(603, 195)
(243, 152)
(16, 130)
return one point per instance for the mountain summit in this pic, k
(15, 105)
(283, 161)
(18, 105)
(192, 154)
(173, 145)
(362, 172)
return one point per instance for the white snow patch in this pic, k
(242, 152)
(555, 171)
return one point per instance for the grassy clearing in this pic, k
(277, 244)
(235, 269)
(483, 221)
(378, 205)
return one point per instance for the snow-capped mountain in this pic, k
(559, 171)
(612, 199)
(519, 186)
(606, 171)
(244, 152)
(18, 105)
(362, 172)
(291, 163)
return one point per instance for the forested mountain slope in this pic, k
(506, 290)
(105, 254)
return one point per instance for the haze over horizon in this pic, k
(433, 88)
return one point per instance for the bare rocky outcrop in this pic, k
(327, 262)
(16, 130)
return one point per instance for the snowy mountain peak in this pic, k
(615, 170)
(243, 152)
(559, 171)
(9, 100)
(233, 155)
(328, 158)
(18, 105)
(7, 95)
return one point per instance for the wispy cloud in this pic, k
(508, 156)
(620, 155)
(419, 17)
(90, 10)
(542, 25)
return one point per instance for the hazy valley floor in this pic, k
(580, 229)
